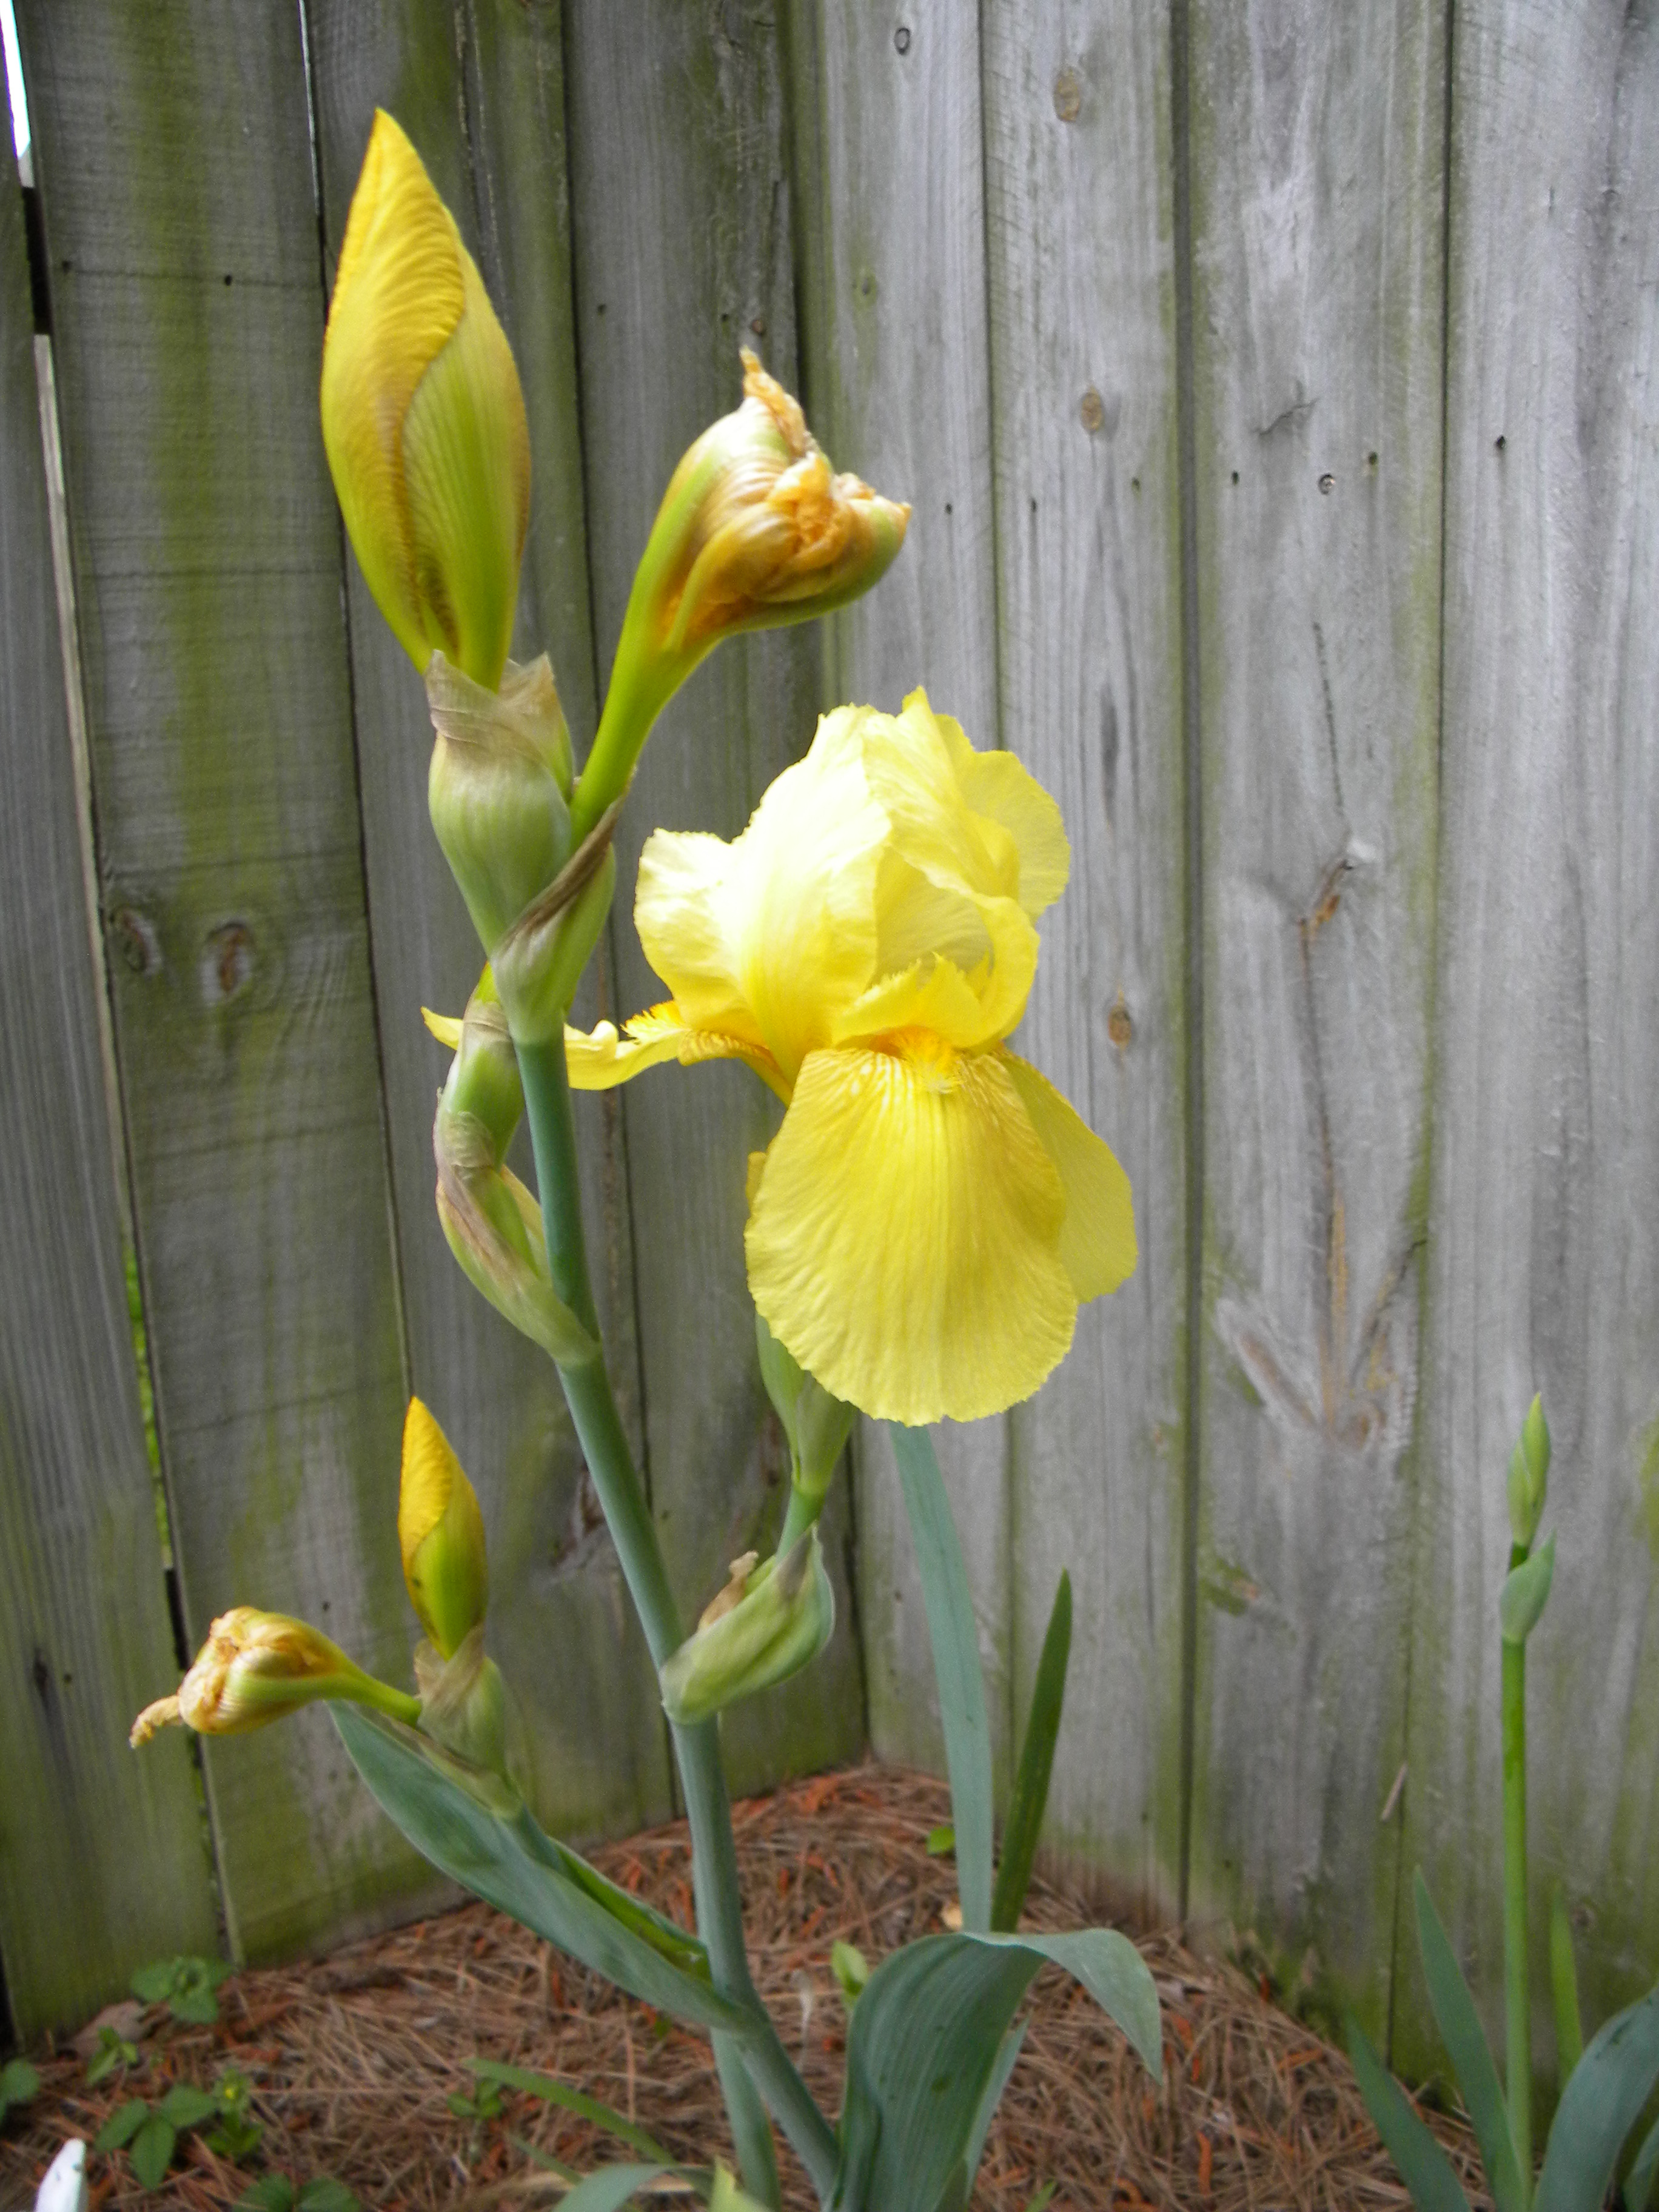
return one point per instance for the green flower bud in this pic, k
(499, 788)
(767, 1623)
(1525, 1593)
(1529, 1467)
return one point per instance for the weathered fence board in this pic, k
(481, 92)
(175, 177)
(684, 240)
(1317, 216)
(91, 1838)
(888, 134)
(1544, 1269)
(1424, 1083)
(1077, 177)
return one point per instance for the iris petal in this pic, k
(1098, 1236)
(904, 1238)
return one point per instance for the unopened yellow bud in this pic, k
(755, 530)
(423, 419)
(254, 1668)
(440, 1533)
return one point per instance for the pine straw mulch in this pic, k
(353, 2058)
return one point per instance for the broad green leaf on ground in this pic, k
(19, 2082)
(1037, 1760)
(1599, 2107)
(926, 2043)
(1470, 2054)
(512, 1864)
(1424, 2167)
(123, 2124)
(151, 2149)
(949, 1607)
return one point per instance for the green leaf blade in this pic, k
(610, 2188)
(948, 1602)
(123, 2124)
(1599, 2107)
(1424, 2167)
(1639, 2182)
(510, 1862)
(552, 2090)
(1037, 1760)
(1470, 2054)
(928, 2041)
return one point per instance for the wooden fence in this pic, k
(1277, 386)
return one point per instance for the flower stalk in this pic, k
(696, 1749)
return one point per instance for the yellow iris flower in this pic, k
(931, 1211)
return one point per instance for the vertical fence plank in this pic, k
(91, 1840)
(889, 149)
(174, 164)
(684, 230)
(1317, 202)
(1545, 1253)
(1088, 608)
(480, 90)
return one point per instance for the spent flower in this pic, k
(254, 1668)
(755, 530)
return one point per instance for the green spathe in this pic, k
(1529, 1467)
(783, 1616)
(499, 787)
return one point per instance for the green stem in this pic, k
(804, 1511)
(708, 1811)
(1517, 2011)
(369, 1691)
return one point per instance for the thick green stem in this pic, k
(1518, 2010)
(708, 1811)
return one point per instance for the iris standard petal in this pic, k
(1098, 1236)
(680, 906)
(999, 790)
(904, 1238)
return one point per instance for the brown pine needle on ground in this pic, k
(353, 2058)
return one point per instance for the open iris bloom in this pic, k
(921, 1231)
(925, 1223)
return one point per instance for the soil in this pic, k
(353, 2059)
